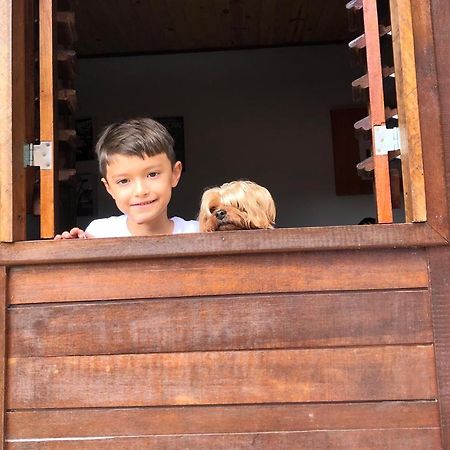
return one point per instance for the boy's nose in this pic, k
(140, 188)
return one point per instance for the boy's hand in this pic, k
(74, 233)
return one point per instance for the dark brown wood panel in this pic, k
(217, 275)
(3, 275)
(180, 26)
(398, 439)
(430, 117)
(440, 297)
(441, 18)
(385, 236)
(225, 323)
(271, 376)
(44, 424)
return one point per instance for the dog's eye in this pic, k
(212, 209)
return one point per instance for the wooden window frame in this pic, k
(431, 51)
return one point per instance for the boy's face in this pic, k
(142, 188)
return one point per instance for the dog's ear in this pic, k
(209, 198)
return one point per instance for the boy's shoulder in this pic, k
(114, 226)
(184, 226)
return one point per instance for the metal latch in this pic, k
(38, 155)
(386, 139)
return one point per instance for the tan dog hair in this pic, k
(246, 205)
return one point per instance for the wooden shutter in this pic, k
(12, 119)
(47, 109)
(404, 139)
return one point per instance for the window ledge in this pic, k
(352, 237)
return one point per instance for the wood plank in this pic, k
(47, 82)
(44, 424)
(430, 115)
(399, 439)
(3, 276)
(387, 236)
(440, 10)
(202, 378)
(218, 275)
(224, 323)
(408, 111)
(13, 131)
(376, 110)
(440, 286)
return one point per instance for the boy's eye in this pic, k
(122, 181)
(153, 174)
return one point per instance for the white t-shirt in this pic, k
(116, 226)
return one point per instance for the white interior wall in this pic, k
(256, 114)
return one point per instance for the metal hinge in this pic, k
(386, 139)
(38, 155)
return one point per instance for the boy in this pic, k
(139, 170)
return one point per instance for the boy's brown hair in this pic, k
(135, 137)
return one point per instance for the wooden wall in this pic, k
(317, 350)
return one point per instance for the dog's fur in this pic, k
(238, 205)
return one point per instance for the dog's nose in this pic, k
(220, 214)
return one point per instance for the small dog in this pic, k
(238, 205)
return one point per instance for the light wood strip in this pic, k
(44, 424)
(398, 439)
(47, 114)
(270, 376)
(227, 323)
(218, 275)
(376, 110)
(408, 110)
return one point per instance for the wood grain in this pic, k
(408, 111)
(399, 439)
(376, 109)
(223, 323)
(218, 275)
(12, 120)
(47, 85)
(44, 424)
(440, 282)
(200, 378)
(3, 283)
(430, 117)
(441, 18)
(386, 236)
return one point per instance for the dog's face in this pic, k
(238, 205)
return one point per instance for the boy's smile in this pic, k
(142, 188)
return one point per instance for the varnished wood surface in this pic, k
(376, 107)
(2, 353)
(196, 25)
(44, 424)
(221, 323)
(47, 84)
(440, 282)
(399, 439)
(202, 378)
(408, 110)
(13, 131)
(441, 18)
(428, 91)
(218, 275)
(221, 243)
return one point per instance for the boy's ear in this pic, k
(176, 173)
(108, 189)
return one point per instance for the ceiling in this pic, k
(114, 27)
